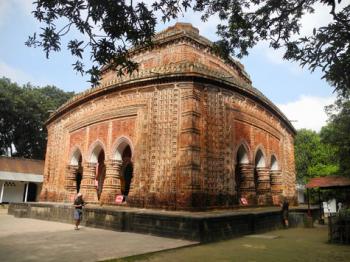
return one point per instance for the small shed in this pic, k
(20, 179)
(329, 182)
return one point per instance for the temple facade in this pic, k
(197, 133)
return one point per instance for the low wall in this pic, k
(197, 226)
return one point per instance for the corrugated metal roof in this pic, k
(328, 182)
(21, 165)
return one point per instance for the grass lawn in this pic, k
(297, 244)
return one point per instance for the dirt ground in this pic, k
(297, 244)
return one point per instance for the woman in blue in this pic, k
(78, 209)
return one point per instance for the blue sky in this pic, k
(299, 94)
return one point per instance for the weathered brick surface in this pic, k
(184, 121)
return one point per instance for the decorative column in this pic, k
(247, 185)
(276, 186)
(263, 186)
(111, 186)
(87, 186)
(70, 183)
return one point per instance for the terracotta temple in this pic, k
(198, 134)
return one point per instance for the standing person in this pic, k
(285, 211)
(78, 209)
(128, 174)
(340, 205)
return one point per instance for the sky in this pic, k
(301, 95)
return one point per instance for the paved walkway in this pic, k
(23, 239)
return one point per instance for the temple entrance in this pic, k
(241, 159)
(127, 171)
(100, 173)
(97, 159)
(77, 166)
(259, 163)
(79, 175)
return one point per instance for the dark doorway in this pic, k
(101, 172)
(32, 189)
(79, 175)
(127, 171)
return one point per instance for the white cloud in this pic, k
(21, 77)
(12, 7)
(14, 74)
(307, 112)
(5, 7)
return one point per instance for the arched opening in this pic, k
(98, 157)
(259, 163)
(100, 173)
(127, 171)
(124, 154)
(76, 161)
(123, 149)
(241, 159)
(274, 163)
(79, 174)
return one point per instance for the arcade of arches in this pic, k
(98, 179)
(261, 182)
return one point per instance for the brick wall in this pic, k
(184, 121)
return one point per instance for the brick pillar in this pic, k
(87, 187)
(276, 186)
(111, 186)
(189, 194)
(247, 185)
(263, 186)
(71, 182)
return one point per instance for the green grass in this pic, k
(298, 244)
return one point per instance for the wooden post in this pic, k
(308, 202)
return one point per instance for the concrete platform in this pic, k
(23, 239)
(195, 226)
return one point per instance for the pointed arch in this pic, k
(95, 150)
(260, 159)
(274, 163)
(243, 153)
(121, 145)
(75, 157)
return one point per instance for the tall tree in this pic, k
(112, 26)
(337, 132)
(23, 111)
(313, 158)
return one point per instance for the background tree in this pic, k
(337, 133)
(313, 158)
(23, 111)
(113, 26)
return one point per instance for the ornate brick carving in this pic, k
(247, 184)
(183, 115)
(276, 186)
(111, 186)
(263, 186)
(87, 187)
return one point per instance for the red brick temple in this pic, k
(198, 134)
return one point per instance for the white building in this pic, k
(301, 193)
(20, 179)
